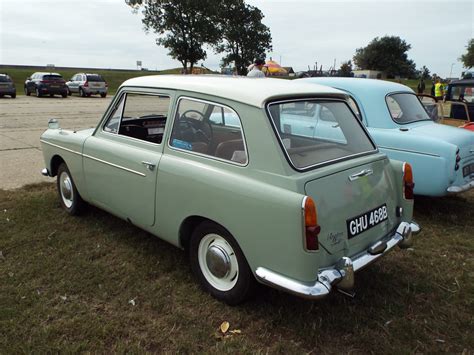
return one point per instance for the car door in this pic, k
(121, 158)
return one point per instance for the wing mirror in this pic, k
(53, 123)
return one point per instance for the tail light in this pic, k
(311, 227)
(408, 184)
(458, 159)
(86, 84)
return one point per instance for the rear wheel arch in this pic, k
(187, 227)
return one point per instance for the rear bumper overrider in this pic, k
(341, 274)
(462, 188)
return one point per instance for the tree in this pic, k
(345, 69)
(424, 72)
(467, 59)
(386, 54)
(243, 35)
(183, 26)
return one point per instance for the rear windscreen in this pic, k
(94, 78)
(5, 79)
(313, 132)
(52, 77)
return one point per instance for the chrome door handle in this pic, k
(364, 172)
(149, 166)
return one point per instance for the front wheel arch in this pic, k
(56, 161)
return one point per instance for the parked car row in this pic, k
(84, 84)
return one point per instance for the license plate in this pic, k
(365, 221)
(468, 170)
(54, 86)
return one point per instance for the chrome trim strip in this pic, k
(360, 174)
(114, 165)
(462, 188)
(93, 158)
(340, 274)
(58, 146)
(410, 151)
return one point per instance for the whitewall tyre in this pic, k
(219, 264)
(69, 197)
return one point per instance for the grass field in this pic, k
(115, 77)
(95, 283)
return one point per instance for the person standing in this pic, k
(256, 71)
(438, 89)
(421, 86)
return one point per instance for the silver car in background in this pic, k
(86, 84)
(7, 86)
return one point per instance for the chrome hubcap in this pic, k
(218, 262)
(65, 186)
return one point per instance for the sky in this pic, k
(107, 34)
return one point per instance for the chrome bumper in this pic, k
(341, 274)
(462, 188)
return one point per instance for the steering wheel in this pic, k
(187, 122)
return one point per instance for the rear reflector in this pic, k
(311, 226)
(408, 184)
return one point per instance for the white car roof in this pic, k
(251, 91)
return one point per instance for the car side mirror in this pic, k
(53, 123)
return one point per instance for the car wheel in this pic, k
(27, 92)
(64, 94)
(51, 95)
(219, 264)
(69, 93)
(1, 95)
(103, 95)
(81, 93)
(38, 94)
(69, 198)
(13, 96)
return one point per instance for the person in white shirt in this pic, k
(256, 71)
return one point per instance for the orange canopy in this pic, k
(275, 68)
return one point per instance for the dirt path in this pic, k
(24, 119)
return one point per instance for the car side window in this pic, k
(209, 128)
(140, 116)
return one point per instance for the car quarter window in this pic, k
(209, 128)
(139, 116)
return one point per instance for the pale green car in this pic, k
(217, 166)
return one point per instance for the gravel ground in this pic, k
(24, 119)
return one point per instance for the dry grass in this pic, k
(67, 285)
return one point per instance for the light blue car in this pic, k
(442, 157)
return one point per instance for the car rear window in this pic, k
(94, 78)
(406, 108)
(5, 79)
(52, 77)
(313, 132)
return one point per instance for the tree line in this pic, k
(235, 29)
(186, 27)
